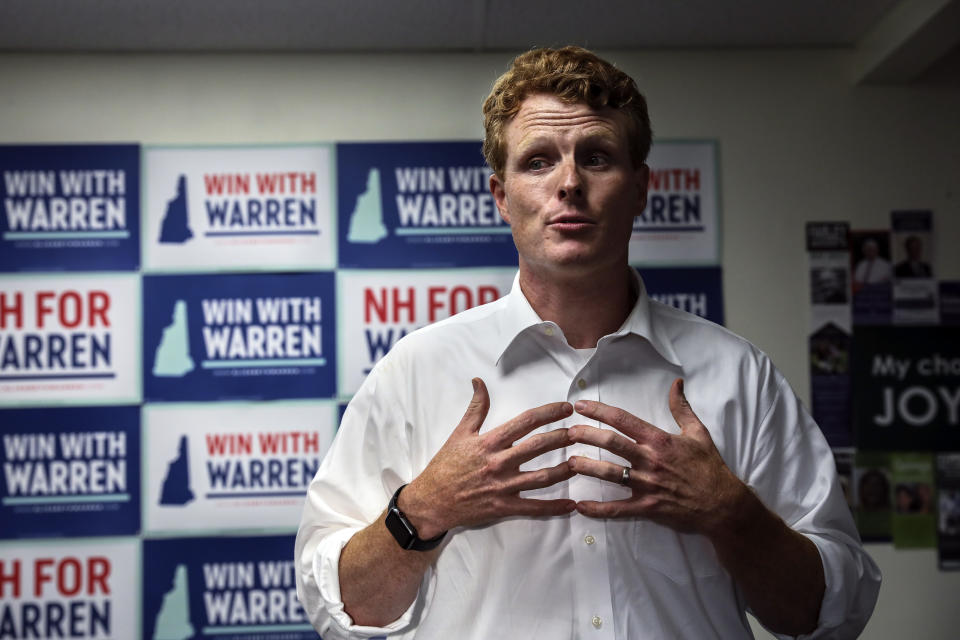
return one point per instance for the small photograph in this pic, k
(829, 351)
(873, 489)
(914, 263)
(913, 498)
(870, 258)
(828, 285)
(948, 506)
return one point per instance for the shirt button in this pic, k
(582, 383)
(548, 331)
(597, 622)
(589, 539)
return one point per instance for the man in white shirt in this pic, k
(872, 267)
(581, 495)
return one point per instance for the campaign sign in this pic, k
(215, 337)
(70, 207)
(418, 204)
(69, 339)
(698, 290)
(70, 472)
(197, 588)
(237, 208)
(681, 223)
(82, 590)
(377, 308)
(232, 466)
(907, 388)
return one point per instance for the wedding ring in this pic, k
(625, 476)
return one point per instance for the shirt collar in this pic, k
(518, 317)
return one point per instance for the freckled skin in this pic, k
(569, 189)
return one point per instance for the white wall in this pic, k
(798, 142)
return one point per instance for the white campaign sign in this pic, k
(234, 208)
(377, 308)
(681, 224)
(81, 590)
(232, 465)
(69, 339)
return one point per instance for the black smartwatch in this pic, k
(404, 532)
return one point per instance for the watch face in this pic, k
(399, 529)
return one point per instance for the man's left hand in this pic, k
(677, 480)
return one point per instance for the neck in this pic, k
(585, 307)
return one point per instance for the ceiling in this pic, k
(898, 40)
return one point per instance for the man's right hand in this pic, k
(475, 479)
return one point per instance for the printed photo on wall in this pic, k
(872, 276)
(914, 289)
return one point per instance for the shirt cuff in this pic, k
(326, 564)
(852, 582)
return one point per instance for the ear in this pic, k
(499, 196)
(642, 176)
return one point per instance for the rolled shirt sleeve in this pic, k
(795, 476)
(366, 463)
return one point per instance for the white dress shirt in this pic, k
(573, 576)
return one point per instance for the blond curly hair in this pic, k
(572, 74)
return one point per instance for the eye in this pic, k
(535, 164)
(596, 160)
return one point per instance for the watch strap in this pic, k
(403, 530)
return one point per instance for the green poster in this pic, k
(914, 520)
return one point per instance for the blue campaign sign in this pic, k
(222, 587)
(698, 290)
(70, 207)
(252, 336)
(418, 204)
(70, 472)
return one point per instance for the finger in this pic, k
(517, 506)
(514, 429)
(540, 478)
(477, 409)
(536, 445)
(682, 411)
(609, 509)
(602, 469)
(619, 419)
(605, 439)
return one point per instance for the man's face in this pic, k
(569, 189)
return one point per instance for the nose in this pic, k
(570, 186)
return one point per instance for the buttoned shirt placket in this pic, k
(593, 601)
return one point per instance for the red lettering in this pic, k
(311, 442)
(99, 305)
(408, 304)
(291, 185)
(232, 443)
(63, 575)
(72, 575)
(379, 306)
(655, 180)
(40, 576)
(13, 578)
(64, 308)
(227, 183)
(464, 293)
(308, 183)
(16, 309)
(487, 293)
(98, 571)
(679, 179)
(42, 309)
(267, 182)
(432, 302)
